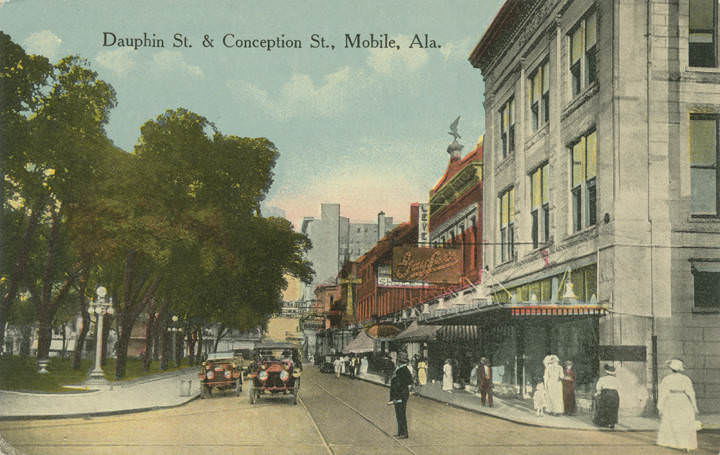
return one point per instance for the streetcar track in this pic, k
(366, 418)
(317, 428)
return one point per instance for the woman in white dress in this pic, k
(363, 365)
(677, 407)
(553, 385)
(447, 384)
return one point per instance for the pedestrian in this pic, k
(422, 371)
(485, 383)
(540, 399)
(400, 393)
(606, 400)
(678, 409)
(415, 361)
(364, 365)
(356, 366)
(447, 382)
(474, 377)
(337, 365)
(568, 383)
(553, 385)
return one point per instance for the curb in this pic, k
(98, 413)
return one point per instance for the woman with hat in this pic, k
(447, 382)
(552, 378)
(607, 400)
(677, 407)
(568, 383)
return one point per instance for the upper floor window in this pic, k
(507, 128)
(506, 200)
(706, 285)
(704, 169)
(540, 205)
(539, 96)
(583, 53)
(702, 33)
(583, 181)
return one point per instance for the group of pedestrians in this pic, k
(352, 365)
(555, 394)
(481, 381)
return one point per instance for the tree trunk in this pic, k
(80, 343)
(17, 275)
(107, 326)
(200, 346)
(178, 337)
(222, 331)
(149, 329)
(164, 338)
(191, 347)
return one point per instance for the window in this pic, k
(539, 94)
(704, 177)
(706, 284)
(583, 182)
(702, 35)
(507, 128)
(583, 54)
(540, 207)
(507, 241)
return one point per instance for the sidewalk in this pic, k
(518, 411)
(143, 394)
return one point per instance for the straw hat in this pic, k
(676, 365)
(609, 369)
(568, 363)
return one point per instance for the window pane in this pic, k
(545, 183)
(503, 209)
(576, 45)
(546, 223)
(591, 215)
(701, 14)
(504, 118)
(545, 78)
(703, 191)
(577, 207)
(591, 170)
(511, 111)
(511, 205)
(537, 85)
(707, 289)
(590, 31)
(535, 227)
(703, 138)
(536, 189)
(578, 161)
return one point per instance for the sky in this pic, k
(363, 127)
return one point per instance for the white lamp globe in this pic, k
(101, 291)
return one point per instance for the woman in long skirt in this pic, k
(569, 388)
(553, 385)
(606, 400)
(422, 372)
(677, 407)
(447, 383)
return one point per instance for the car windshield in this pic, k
(275, 354)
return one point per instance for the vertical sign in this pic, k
(423, 224)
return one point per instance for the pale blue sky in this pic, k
(365, 128)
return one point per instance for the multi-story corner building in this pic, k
(601, 169)
(336, 240)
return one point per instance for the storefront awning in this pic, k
(360, 344)
(490, 314)
(417, 333)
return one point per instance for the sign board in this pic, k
(622, 353)
(423, 224)
(385, 279)
(430, 265)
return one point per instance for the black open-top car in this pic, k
(276, 370)
(220, 371)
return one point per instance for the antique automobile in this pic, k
(276, 371)
(220, 371)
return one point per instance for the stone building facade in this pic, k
(601, 169)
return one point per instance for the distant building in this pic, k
(336, 240)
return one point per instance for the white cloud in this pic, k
(172, 61)
(301, 95)
(397, 61)
(44, 43)
(119, 61)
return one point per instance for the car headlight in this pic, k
(284, 375)
(228, 374)
(210, 374)
(263, 375)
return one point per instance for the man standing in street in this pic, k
(400, 392)
(485, 382)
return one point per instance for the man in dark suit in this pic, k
(485, 382)
(400, 392)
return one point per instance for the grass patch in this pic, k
(20, 373)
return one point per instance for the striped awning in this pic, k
(494, 314)
(557, 310)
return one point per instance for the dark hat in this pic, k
(402, 356)
(609, 369)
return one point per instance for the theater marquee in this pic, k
(431, 265)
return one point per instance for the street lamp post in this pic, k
(175, 329)
(100, 307)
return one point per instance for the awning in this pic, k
(492, 314)
(416, 332)
(360, 344)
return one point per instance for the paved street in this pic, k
(334, 416)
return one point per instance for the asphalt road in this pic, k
(334, 416)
